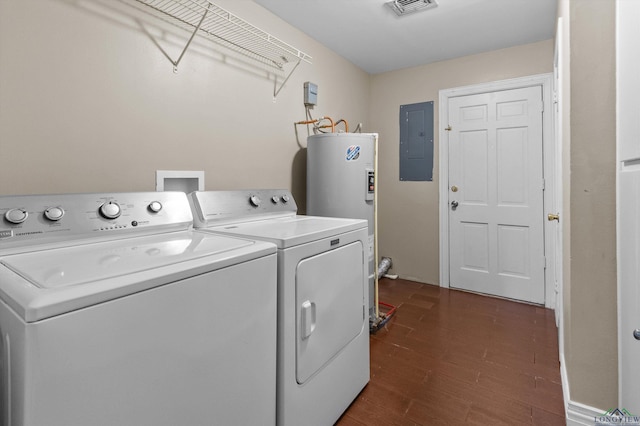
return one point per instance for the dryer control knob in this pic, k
(255, 200)
(285, 199)
(275, 199)
(155, 206)
(54, 213)
(110, 210)
(16, 216)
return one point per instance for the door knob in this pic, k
(552, 216)
(636, 334)
(454, 205)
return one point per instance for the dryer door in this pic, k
(330, 306)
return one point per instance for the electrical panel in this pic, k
(416, 142)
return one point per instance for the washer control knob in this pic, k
(54, 213)
(255, 200)
(275, 199)
(110, 210)
(155, 206)
(285, 198)
(16, 216)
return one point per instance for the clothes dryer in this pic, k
(113, 311)
(323, 321)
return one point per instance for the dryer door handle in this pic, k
(308, 318)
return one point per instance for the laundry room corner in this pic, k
(408, 213)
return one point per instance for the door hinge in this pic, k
(448, 128)
(541, 106)
(544, 184)
(544, 261)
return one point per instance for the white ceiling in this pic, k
(372, 36)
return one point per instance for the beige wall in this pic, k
(591, 351)
(89, 103)
(408, 211)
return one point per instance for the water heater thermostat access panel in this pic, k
(371, 182)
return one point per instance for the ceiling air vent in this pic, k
(405, 7)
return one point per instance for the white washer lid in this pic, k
(291, 231)
(41, 284)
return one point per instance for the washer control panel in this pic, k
(211, 208)
(39, 219)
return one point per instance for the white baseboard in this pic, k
(577, 414)
(565, 382)
(582, 415)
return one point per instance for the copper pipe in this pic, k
(307, 122)
(346, 125)
(333, 126)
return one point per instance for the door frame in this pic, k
(551, 186)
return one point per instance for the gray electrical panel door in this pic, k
(416, 142)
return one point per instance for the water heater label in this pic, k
(353, 153)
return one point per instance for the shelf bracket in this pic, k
(186, 47)
(277, 89)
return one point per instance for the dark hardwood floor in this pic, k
(449, 357)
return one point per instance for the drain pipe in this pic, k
(385, 264)
(375, 224)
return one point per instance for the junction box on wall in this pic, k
(310, 94)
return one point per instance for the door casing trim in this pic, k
(545, 81)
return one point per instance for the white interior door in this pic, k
(496, 229)
(629, 290)
(628, 196)
(556, 205)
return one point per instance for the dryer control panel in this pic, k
(221, 207)
(27, 220)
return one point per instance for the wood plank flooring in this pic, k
(450, 358)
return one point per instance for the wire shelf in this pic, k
(216, 23)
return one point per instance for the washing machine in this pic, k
(323, 322)
(114, 311)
